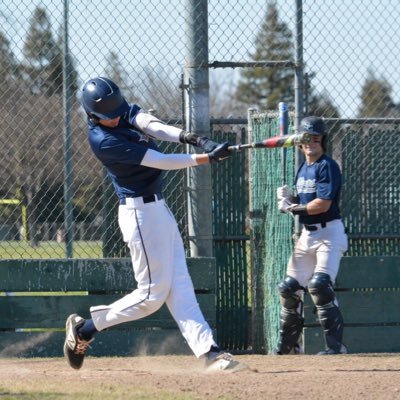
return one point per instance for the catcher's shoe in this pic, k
(75, 347)
(330, 352)
(294, 350)
(224, 362)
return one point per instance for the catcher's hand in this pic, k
(283, 192)
(285, 205)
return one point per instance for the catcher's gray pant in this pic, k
(318, 251)
(160, 268)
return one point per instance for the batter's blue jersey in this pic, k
(322, 180)
(121, 150)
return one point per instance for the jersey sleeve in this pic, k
(157, 129)
(155, 159)
(329, 180)
(130, 116)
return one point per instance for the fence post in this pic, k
(198, 122)
(68, 180)
(298, 89)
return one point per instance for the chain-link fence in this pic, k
(369, 202)
(369, 158)
(48, 172)
(53, 191)
(271, 233)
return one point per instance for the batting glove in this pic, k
(285, 206)
(207, 144)
(283, 192)
(220, 152)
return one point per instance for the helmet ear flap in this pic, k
(93, 119)
(323, 142)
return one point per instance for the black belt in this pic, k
(312, 228)
(146, 199)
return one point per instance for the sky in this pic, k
(342, 39)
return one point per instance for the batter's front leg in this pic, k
(184, 308)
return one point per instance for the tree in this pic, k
(266, 87)
(44, 56)
(39, 46)
(54, 78)
(376, 99)
(115, 71)
(319, 104)
(160, 94)
(39, 50)
(223, 100)
(8, 63)
(156, 91)
(36, 137)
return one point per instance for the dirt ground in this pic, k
(372, 376)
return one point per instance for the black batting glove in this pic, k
(207, 144)
(203, 142)
(220, 152)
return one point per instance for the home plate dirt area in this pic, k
(352, 376)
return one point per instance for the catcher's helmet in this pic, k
(313, 125)
(102, 99)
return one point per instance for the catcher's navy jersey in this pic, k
(121, 150)
(322, 180)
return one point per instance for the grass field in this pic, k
(21, 249)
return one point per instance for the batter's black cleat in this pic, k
(332, 352)
(75, 347)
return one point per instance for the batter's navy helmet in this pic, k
(102, 98)
(313, 125)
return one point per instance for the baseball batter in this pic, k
(314, 263)
(121, 136)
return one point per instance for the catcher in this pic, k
(314, 263)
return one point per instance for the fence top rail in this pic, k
(364, 120)
(252, 64)
(213, 121)
(273, 114)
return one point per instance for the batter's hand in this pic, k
(285, 205)
(283, 192)
(220, 152)
(207, 144)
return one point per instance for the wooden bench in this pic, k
(368, 291)
(36, 297)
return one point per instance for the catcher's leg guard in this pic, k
(330, 317)
(291, 321)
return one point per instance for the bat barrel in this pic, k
(283, 119)
(275, 142)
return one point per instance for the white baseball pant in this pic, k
(160, 269)
(318, 251)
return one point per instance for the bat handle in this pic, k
(236, 148)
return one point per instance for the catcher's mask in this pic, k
(314, 126)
